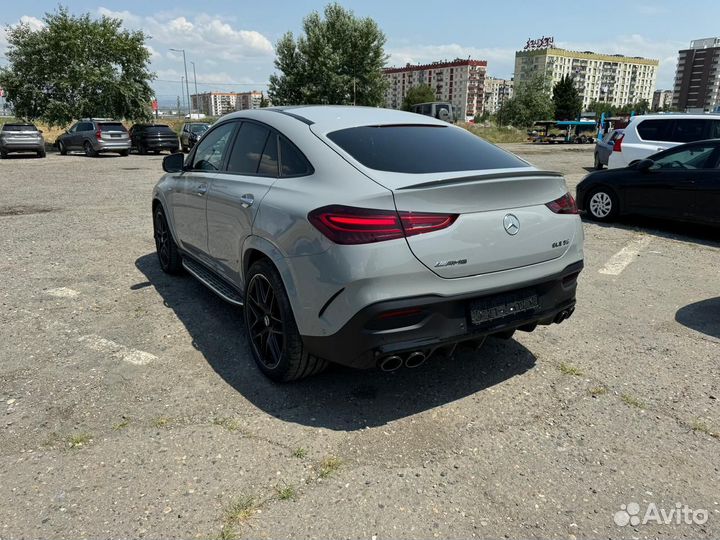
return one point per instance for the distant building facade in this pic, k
(697, 78)
(662, 100)
(460, 82)
(249, 100)
(214, 103)
(614, 79)
(497, 92)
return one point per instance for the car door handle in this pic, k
(247, 200)
(201, 190)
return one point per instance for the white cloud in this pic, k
(33, 22)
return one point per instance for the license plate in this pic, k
(115, 136)
(500, 307)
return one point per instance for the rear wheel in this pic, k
(3, 155)
(271, 329)
(89, 150)
(156, 151)
(41, 153)
(167, 250)
(598, 165)
(142, 149)
(124, 152)
(602, 204)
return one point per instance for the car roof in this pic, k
(327, 118)
(671, 116)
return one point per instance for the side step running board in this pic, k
(212, 282)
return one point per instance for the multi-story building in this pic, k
(249, 100)
(662, 100)
(497, 92)
(607, 78)
(460, 82)
(697, 78)
(214, 103)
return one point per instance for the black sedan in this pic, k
(682, 183)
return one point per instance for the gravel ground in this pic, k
(132, 408)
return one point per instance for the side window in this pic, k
(694, 157)
(212, 149)
(269, 164)
(689, 130)
(248, 149)
(714, 131)
(73, 129)
(654, 130)
(292, 162)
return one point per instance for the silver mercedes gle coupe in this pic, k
(367, 237)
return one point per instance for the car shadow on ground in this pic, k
(703, 316)
(673, 230)
(339, 398)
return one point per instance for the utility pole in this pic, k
(182, 91)
(187, 86)
(197, 95)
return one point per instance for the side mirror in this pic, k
(644, 165)
(174, 163)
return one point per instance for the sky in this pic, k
(232, 42)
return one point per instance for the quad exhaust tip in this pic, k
(415, 359)
(391, 363)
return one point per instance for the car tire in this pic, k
(165, 246)
(3, 155)
(61, 148)
(124, 153)
(41, 153)
(142, 150)
(275, 341)
(89, 150)
(156, 152)
(185, 149)
(602, 204)
(598, 165)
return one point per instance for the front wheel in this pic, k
(274, 338)
(602, 205)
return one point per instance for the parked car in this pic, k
(21, 137)
(191, 133)
(604, 147)
(95, 136)
(367, 237)
(437, 109)
(681, 183)
(153, 138)
(648, 134)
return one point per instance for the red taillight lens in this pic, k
(98, 134)
(349, 225)
(617, 147)
(564, 205)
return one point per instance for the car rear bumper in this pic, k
(431, 321)
(159, 144)
(22, 146)
(112, 146)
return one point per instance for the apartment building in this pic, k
(662, 100)
(608, 78)
(497, 92)
(214, 103)
(460, 82)
(697, 78)
(249, 100)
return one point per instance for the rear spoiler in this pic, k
(489, 176)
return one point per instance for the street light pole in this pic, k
(197, 96)
(187, 86)
(182, 91)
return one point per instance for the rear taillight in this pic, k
(617, 147)
(98, 134)
(564, 205)
(349, 225)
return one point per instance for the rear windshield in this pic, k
(199, 128)
(419, 149)
(160, 128)
(111, 126)
(19, 127)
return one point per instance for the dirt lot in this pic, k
(131, 407)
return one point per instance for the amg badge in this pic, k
(441, 264)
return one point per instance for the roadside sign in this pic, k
(155, 105)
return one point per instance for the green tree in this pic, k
(263, 101)
(599, 107)
(338, 60)
(567, 100)
(421, 93)
(77, 67)
(530, 102)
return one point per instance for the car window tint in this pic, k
(111, 126)
(689, 130)
(692, 157)
(85, 126)
(212, 149)
(654, 130)
(419, 149)
(269, 162)
(714, 131)
(248, 148)
(292, 162)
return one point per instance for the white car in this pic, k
(649, 134)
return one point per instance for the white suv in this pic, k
(649, 134)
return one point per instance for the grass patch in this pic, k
(239, 511)
(79, 440)
(701, 427)
(121, 425)
(328, 466)
(160, 421)
(568, 369)
(632, 401)
(226, 423)
(598, 391)
(495, 134)
(227, 532)
(299, 453)
(285, 493)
